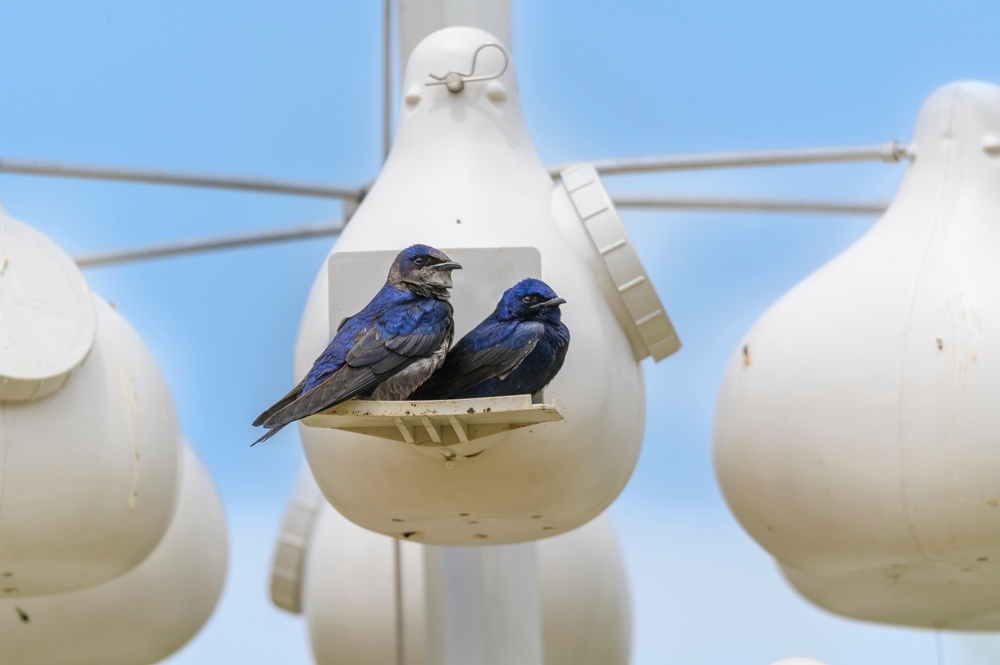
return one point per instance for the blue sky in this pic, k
(291, 89)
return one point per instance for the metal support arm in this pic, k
(161, 177)
(888, 152)
(659, 202)
(234, 240)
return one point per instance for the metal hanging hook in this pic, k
(455, 82)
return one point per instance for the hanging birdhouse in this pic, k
(143, 615)
(464, 177)
(340, 577)
(856, 432)
(89, 453)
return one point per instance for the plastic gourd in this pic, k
(463, 176)
(89, 453)
(142, 616)
(342, 580)
(856, 432)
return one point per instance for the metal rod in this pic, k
(652, 201)
(638, 201)
(397, 554)
(889, 152)
(397, 578)
(93, 259)
(386, 78)
(160, 177)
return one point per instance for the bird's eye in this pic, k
(420, 260)
(526, 300)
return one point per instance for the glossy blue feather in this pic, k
(518, 349)
(384, 351)
(392, 312)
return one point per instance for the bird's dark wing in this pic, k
(384, 350)
(483, 355)
(280, 404)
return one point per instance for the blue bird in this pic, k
(516, 350)
(385, 351)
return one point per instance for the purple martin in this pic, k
(516, 350)
(385, 351)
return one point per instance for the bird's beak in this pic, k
(555, 302)
(447, 265)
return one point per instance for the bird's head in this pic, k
(530, 299)
(423, 270)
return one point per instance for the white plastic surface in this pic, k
(464, 174)
(89, 475)
(348, 596)
(856, 432)
(47, 317)
(142, 616)
(634, 298)
(798, 661)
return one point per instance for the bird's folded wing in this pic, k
(420, 343)
(469, 368)
(369, 362)
(344, 384)
(280, 404)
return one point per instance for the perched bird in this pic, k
(516, 350)
(386, 350)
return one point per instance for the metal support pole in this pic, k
(483, 605)
(386, 78)
(397, 554)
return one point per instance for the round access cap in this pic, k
(47, 316)
(644, 317)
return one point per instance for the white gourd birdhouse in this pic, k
(142, 616)
(89, 452)
(341, 578)
(857, 432)
(463, 176)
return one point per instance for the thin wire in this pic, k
(939, 646)
(469, 78)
